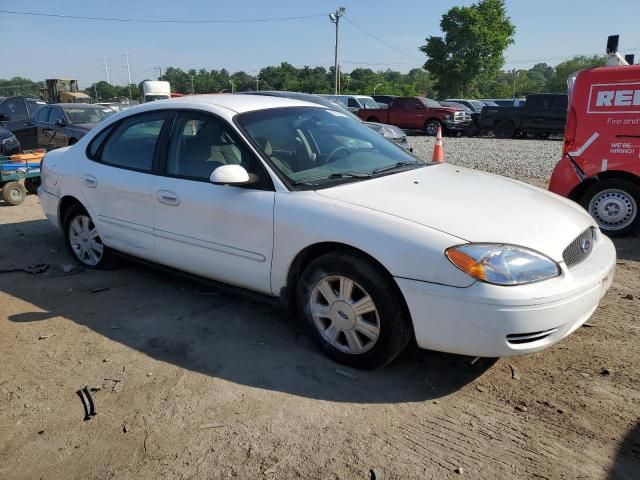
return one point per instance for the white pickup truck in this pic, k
(155, 90)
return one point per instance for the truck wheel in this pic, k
(431, 127)
(352, 311)
(613, 203)
(542, 136)
(13, 193)
(32, 184)
(504, 129)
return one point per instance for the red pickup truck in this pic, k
(419, 113)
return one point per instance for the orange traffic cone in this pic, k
(438, 151)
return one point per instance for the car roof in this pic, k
(76, 105)
(239, 103)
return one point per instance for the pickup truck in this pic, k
(541, 115)
(419, 113)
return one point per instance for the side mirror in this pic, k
(60, 123)
(230, 175)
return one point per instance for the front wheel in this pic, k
(613, 203)
(84, 242)
(353, 312)
(431, 127)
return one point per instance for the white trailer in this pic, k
(155, 90)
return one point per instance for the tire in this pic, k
(32, 184)
(373, 119)
(504, 129)
(88, 250)
(431, 127)
(13, 193)
(367, 340)
(72, 141)
(614, 204)
(542, 136)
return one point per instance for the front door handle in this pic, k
(29, 124)
(168, 198)
(90, 181)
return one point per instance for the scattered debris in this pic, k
(149, 374)
(473, 362)
(628, 296)
(521, 408)
(97, 388)
(514, 373)
(48, 335)
(40, 432)
(459, 470)
(99, 289)
(589, 325)
(87, 403)
(436, 402)
(606, 371)
(376, 474)
(585, 374)
(206, 426)
(560, 410)
(480, 388)
(105, 360)
(33, 269)
(346, 374)
(125, 428)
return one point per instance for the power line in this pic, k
(144, 20)
(380, 40)
(549, 59)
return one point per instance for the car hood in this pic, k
(473, 206)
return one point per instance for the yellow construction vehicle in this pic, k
(60, 90)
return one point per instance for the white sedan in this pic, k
(371, 245)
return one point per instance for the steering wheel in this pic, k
(329, 158)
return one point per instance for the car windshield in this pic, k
(430, 103)
(476, 104)
(317, 147)
(87, 114)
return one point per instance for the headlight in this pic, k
(10, 139)
(502, 264)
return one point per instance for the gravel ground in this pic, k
(532, 159)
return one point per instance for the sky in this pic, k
(47, 47)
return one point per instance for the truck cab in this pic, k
(153, 90)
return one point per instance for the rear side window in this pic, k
(43, 114)
(96, 143)
(55, 115)
(14, 108)
(132, 145)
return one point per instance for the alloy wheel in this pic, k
(345, 314)
(85, 241)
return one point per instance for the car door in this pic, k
(398, 112)
(14, 116)
(221, 232)
(117, 182)
(43, 130)
(56, 128)
(536, 113)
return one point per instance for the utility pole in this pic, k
(515, 75)
(192, 89)
(159, 69)
(335, 18)
(258, 83)
(106, 67)
(233, 87)
(128, 67)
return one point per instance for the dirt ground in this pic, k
(191, 382)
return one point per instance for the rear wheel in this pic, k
(431, 127)
(13, 193)
(613, 203)
(504, 129)
(353, 312)
(84, 242)
(32, 184)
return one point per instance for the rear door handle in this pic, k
(29, 124)
(168, 198)
(90, 181)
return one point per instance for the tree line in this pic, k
(466, 61)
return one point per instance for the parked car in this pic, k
(473, 105)
(599, 167)
(354, 102)
(386, 99)
(475, 108)
(63, 124)
(542, 115)
(346, 235)
(9, 143)
(16, 115)
(474, 127)
(389, 132)
(419, 113)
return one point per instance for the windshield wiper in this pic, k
(333, 176)
(397, 165)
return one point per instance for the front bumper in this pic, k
(492, 321)
(456, 126)
(50, 205)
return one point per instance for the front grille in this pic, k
(580, 248)
(520, 338)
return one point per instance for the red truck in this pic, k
(600, 164)
(419, 113)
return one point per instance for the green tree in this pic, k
(557, 83)
(472, 48)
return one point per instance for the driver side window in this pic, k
(55, 115)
